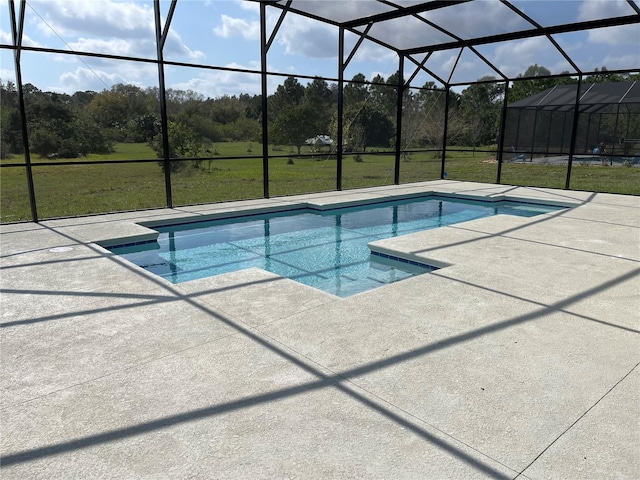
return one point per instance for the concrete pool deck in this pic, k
(518, 360)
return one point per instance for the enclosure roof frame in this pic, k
(393, 10)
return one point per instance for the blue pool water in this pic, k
(323, 249)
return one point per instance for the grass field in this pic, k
(70, 190)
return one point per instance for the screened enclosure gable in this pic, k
(608, 119)
(593, 96)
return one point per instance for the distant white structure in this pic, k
(319, 140)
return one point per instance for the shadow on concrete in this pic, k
(339, 380)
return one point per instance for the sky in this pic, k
(226, 33)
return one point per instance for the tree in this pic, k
(356, 92)
(414, 112)
(252, 106)
(319, 96)
(88, 136)
(424, 115)
(56, 127)
(43, 141)
(144, 127)
(295, 124)
(318, 92)
(242, 129)
(480, 106)
(290, 93)
(603, 75)
(82, 99)
(10, 123)
(116, 110)
(297, 113)
(384, 94)
(225, 109)
(364, 126)
(530, 85)
(182, 144)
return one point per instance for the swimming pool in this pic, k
(325, 249)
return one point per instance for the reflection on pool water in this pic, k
(327, 249)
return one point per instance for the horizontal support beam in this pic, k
(536, 32)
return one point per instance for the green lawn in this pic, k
(69, 190)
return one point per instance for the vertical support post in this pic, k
(444, 131)
(615, 135)
(503, 126)
(599, 128)
(550, 122)
(586, 137)
(16, 32)
(396, 174)
(564, 130)
(626, 134)
(517, 142)
(340, 109)
(574, 132)
(533, 135)
(265, 117)
(164, 121)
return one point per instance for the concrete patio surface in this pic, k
(519, 359)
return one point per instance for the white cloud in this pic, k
(298, 35)
(304, 36)
(373, 52)
(7, 75)
(341, 10)
(5, 37)
(116, 46)
(105, 18)
(215, 84)
(105, 26)
(27, 41)
(176, 47)
(408, 33)
(621, 35)
(218, 83)
(514, 57)
(475, 19)
(442, 62)
(613, 61)
(99, 74)
(448, 65)
(83, 79)
(251, 6)
(238, 27)
(466, 66)
(598, 9)
(594, 9)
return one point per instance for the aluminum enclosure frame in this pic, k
(363, 28)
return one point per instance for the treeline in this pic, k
(71, 126)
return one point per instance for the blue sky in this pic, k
(226, 32)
